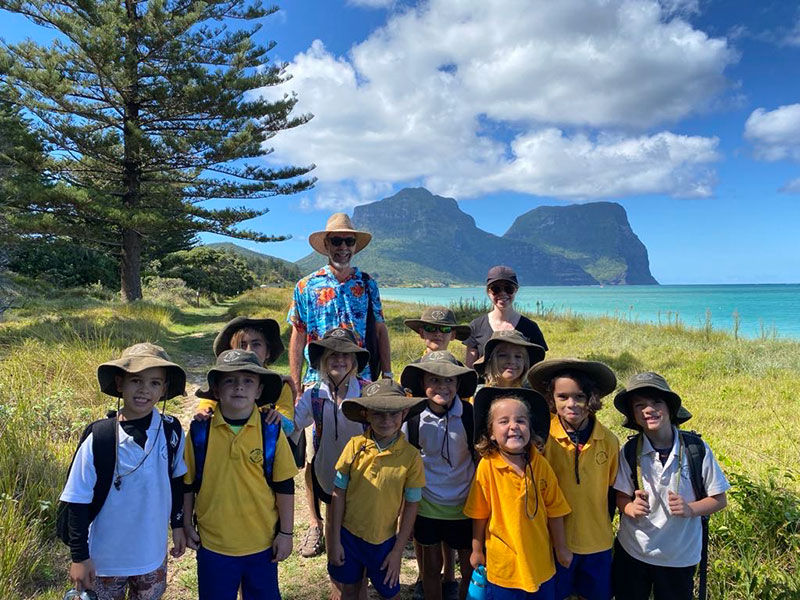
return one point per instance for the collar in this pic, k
(557, 429)
(498, 462)
(218, 420)
(399, 442)
(647, 447)
(328, 272)
(456, 410)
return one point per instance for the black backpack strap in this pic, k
(629, 453)
(198, 434)
(695, 453)
(413, 431)
(172, 434)
(104, 452)
(468, 419)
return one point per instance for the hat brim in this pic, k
(353, 407)
(269, 327)
(411, 377)
(462, 332)
(106, 372)
(541, 374)
(317, 239)
(317, 348)
(537, 405)
(535, 353)
(271, 380)
(677, 412)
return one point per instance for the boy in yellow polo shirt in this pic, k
(515, 502)
(242, 480)
(584, 455)
(378, 474)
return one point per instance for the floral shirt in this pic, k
(321, 303)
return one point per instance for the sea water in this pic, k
(761, 310)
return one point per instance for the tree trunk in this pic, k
(131, 267)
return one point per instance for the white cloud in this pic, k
(372, 3)
(791, 187)
(775, 134)
(792, 37)
(342, 196)
(422, 100)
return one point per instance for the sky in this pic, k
(686, 112)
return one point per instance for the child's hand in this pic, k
(203, 414)
(271, 416)
(678, 506)
(564, 557)
(178, 542)
(392, 565)
(281, 547)
(640, 506)
(477, 558)
(335, 553)
(192, 537)
(82, 575)
(292, 386)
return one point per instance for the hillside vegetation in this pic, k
(742, 394)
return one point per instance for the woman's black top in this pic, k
(481, 331)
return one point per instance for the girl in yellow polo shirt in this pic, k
(515, 502)
(584, 455)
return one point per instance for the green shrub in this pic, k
(209, 271)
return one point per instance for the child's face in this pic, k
(510, 361)
(570, 401)
(237, 392)
(510, 425)
(440, 391)
(650, 412)
(140, 391)
(253, 340)
(434, 338)
(339, 364)
(385, 424)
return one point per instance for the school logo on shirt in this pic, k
(543, 485)
(256, 455)
(601, 458)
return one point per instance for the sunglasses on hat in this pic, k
(337, 241)
(497, 288)
(435, 328)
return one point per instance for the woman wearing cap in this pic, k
(501, 286)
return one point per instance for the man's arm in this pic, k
(297, 344)
(384, 347)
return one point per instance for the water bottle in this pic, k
(477, 585)
(74, 594)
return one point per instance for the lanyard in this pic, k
(640, 444)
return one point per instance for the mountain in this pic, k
(425, 239)
(268, 269)
(596, 236)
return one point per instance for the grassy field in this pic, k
(743, 394)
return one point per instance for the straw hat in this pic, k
(384, 395)
(440, 363)
(537, 406)
(339, 223)
(442, 317)
(650, 381)
(231, 361)
(540, 375)
(136, 359)
(339, 340)
(510, 336)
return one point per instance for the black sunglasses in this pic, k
(337, 241)
(433, 328)
(507, 288)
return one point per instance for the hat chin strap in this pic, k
(336, 386)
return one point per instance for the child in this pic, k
(515, 502)
(584, 456)
(438, 327)
(442, 436)
(338, 359)
(124, 548)
(245, 501)
(660, 538)
(378, 473)
(507, 357)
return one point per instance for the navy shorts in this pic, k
(546, 591)
(589, 576)
(360, 556)
(456, 534)
(219, 576)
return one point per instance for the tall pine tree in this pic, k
(144, 109)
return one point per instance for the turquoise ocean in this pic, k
(763, 310)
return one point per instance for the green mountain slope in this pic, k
(268, 269)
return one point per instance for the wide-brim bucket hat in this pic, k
(339, 223)
(441, 316)
(231, 361)
(541, 374)
(339, 340)
(268, 327)
(537, 406)
(136, 359)
(655, 382)
(384, 395)
(440, 363)
(510, 336)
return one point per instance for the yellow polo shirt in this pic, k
(519, 552)
(588, 525)
(284, 405)
(374, 492)
(235, 508)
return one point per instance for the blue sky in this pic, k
(687, 112)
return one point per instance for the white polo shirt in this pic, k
(129, 535)
(660, 538)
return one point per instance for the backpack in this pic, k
(317, 407)
(467, 418)
(695, 453)
(104, 457)
(198, 434)
(370, 335)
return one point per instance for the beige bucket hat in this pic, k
(231, 361)
(440, 316)
(440, 363)
(511, 336)
(339, 340)
(384, 395)
(136, 359)
(339, 223)
(540, 375)
(654, 382)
